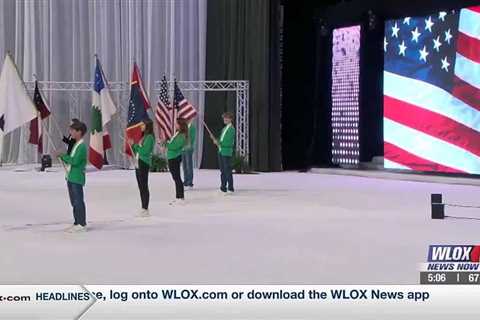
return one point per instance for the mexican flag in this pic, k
(103, 109)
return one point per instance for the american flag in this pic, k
(164, 113)
(184, 108)
(432, 92)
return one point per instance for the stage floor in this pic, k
(279, 228)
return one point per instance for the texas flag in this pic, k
(36, 134)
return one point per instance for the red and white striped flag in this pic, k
(432, 92)
(184, 108)
(164, 113)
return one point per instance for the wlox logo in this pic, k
(454, 253)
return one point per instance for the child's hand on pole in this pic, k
(57, 154)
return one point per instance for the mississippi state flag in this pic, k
(432, 92)
(137, 109)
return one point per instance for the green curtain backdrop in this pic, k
(243, 44)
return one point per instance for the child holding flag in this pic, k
(143, 155)
(225, 152)
(76, 162)
(69, 141)
(174, 155)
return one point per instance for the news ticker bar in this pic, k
(450, 277)
(238, 302)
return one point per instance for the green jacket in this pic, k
(145, 149)
(175, 146)
(76, 163)
(192, 134)
(227, 141)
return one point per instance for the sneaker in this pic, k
(144, 213)
(177, 202)
(78, 228)
(69, 229)
(188, 188)
(230, 192)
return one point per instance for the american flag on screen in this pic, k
(432, 92)
(164, 113)
(185, 108)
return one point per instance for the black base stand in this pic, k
(46, 162)
(438, 208)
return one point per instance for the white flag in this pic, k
(16, 107)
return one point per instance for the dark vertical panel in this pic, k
(323, 102)
(216, 68)
(242, 44)
(371, 92)
(297, 112)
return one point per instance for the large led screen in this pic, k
(432, 92)
(345, 89)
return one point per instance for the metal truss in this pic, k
(121, 89)
(75, 92)
(241, 88)
(74, 86)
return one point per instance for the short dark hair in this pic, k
(228, 115)
(79, 126)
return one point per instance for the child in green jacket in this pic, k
(75, 163)
(187, 156)
(225, 146)
(174, 155)
(143, 154)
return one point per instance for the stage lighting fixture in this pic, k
(322, 25)
(372, 20)
(345, 95)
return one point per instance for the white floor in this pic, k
(279, 228)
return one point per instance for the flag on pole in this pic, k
(16, 107)
(164, 113)
(103, 108)
(183, 107)
(137, 109)
(137, 77)
(43, 111)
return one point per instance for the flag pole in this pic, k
(212, 137)
(206, 127)
(55, 148)
(39, 120)
(174, 118)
